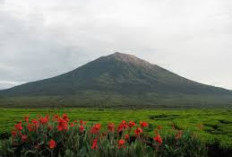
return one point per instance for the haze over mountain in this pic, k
(118, 80)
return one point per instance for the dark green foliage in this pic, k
(73, 143)
(185, 146)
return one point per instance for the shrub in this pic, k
(56, 136)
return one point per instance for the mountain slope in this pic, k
(123, 75)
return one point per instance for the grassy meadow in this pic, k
(210, 125)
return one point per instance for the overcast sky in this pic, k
(44, 38)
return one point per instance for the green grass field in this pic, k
(217, 123)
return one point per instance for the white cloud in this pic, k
(40, 39)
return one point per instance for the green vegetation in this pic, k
(210, 125)
(112, 100)
(57, 136)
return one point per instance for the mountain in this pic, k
(118, 80)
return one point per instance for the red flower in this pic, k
(30, 127)
(35, 123)
(19, 126)
(81, 128)
(65, 117)
(111, 127)
(121, 143)
(123, 125)
(26, 118)
(127, 136)
(13, 133)
(143, 124)
(72, 124)
(55, 117)
(94, 144)
(44, 120)
(52, 144)
(95, 129)
(158, 139)
(82, 122)
(24, 138)
(138, 131)
(63, 125)
(132, 124)
(120, 128)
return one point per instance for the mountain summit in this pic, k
(128, 59)
(121, 80)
